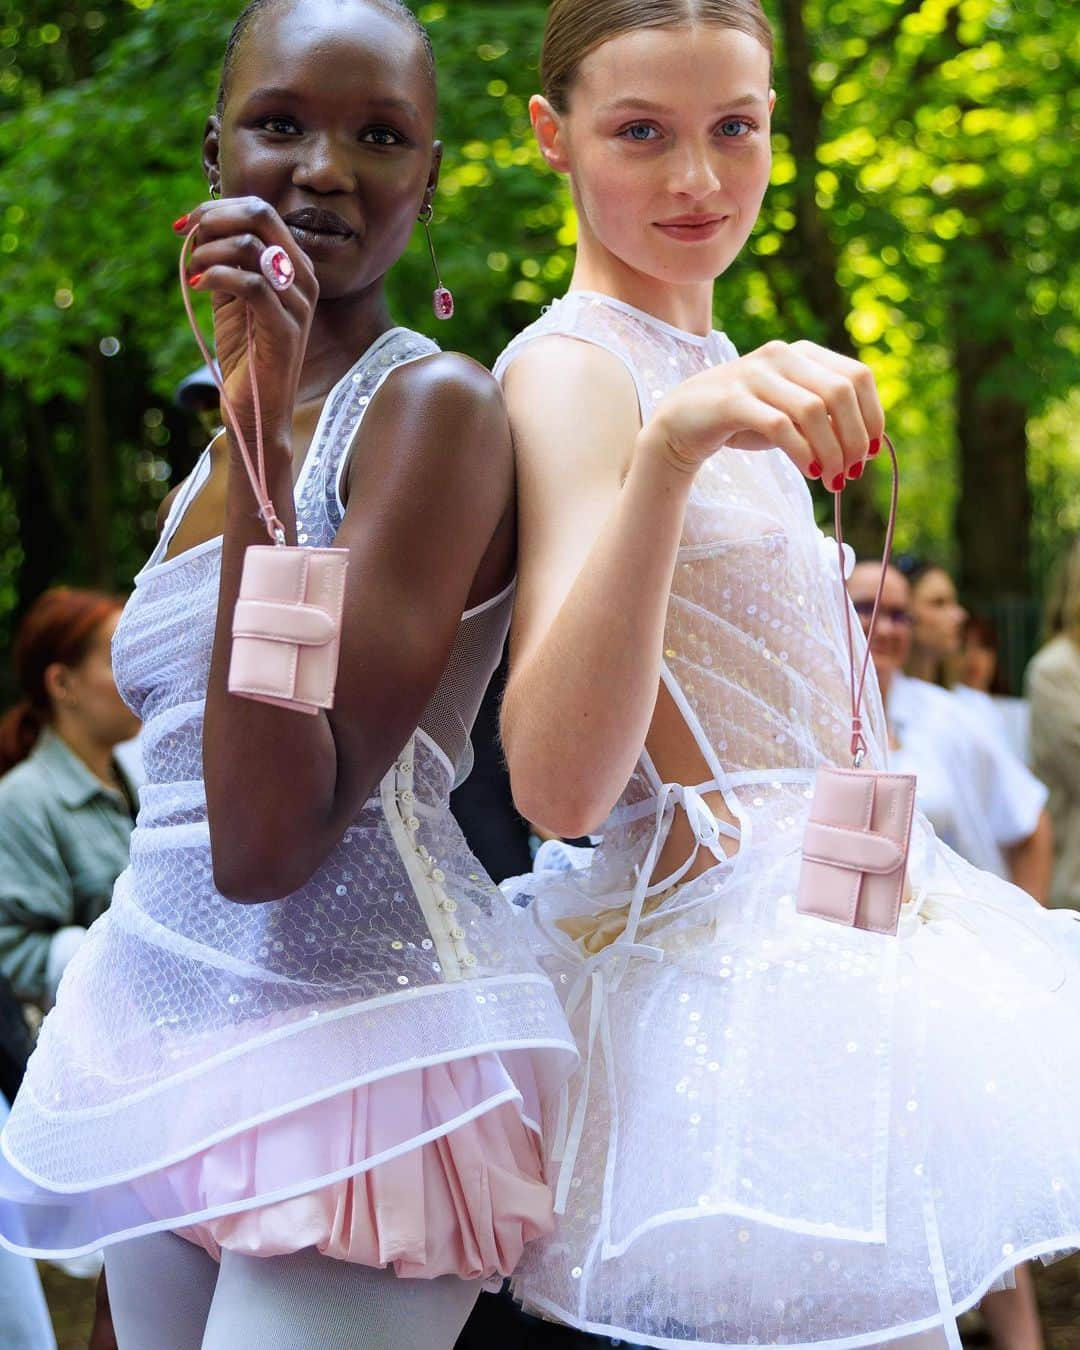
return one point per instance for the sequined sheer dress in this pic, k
(783, 1131)
(358, 1067)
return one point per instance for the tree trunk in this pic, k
(816, 261)
(44, 547)
(814, 256)
(993, 515)
(98, 485)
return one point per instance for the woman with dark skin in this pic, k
(306, 1046)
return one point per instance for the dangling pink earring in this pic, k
(442, 302)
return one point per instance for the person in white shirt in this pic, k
(937, 619)
(980, 799)
(980, 684)
(952, 649)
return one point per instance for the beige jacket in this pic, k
(1053, 681)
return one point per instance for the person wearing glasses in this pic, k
(980, 797)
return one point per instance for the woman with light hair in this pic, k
(1053, 685)
(781, 1130)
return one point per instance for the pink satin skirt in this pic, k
(439, 1173)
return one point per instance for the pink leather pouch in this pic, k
(855, 848)
(287, 626)
(287, 620)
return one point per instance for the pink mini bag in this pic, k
(855, 848)
(287, 621)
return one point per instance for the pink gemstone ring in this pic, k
(277, 267)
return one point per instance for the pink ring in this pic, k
(277, 267)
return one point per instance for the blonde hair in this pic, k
(576, 27)
(1063, 603)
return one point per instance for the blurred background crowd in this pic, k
(922, 216)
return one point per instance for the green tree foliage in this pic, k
(923, 214)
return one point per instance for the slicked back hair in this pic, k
(576, 27)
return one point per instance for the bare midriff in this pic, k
(677, 759)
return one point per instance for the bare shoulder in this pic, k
(438, 424)
(440, 402)
(569, 399)
(448, 384)
(566, 369)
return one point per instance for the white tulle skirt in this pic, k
(788, 1132)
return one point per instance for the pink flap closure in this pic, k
(857, 836)
(861, 850)
(304, 624)
(287, 618)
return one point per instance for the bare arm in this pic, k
(601, 504)
(428, 521)
(429, 493)
(1031, 861)
(596, 556)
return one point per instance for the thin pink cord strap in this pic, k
(858, 740)
(256, 471)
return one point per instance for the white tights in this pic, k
(167, 1294)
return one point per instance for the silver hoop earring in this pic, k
(215, 190)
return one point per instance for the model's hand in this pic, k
(820, 408)
(231, 237)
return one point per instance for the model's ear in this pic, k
(772, 101)
(433, 175)
(211, 153)
(550, 133)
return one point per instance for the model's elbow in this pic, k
(551, 793)
(561, 812)
(248, 879)
(243, 887)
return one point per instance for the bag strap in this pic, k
(256, 472)
(858, 741)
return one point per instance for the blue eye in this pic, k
(733, 127)
(640, 132)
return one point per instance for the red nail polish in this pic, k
(195, 279)
(855, 471)
(838, 483)
(875, 446)
(178, 225)
(814, 469)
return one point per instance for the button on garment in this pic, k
(188, 1023)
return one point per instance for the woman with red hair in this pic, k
(66, 806)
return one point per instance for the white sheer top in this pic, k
(186, 1017)
(755, 653)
